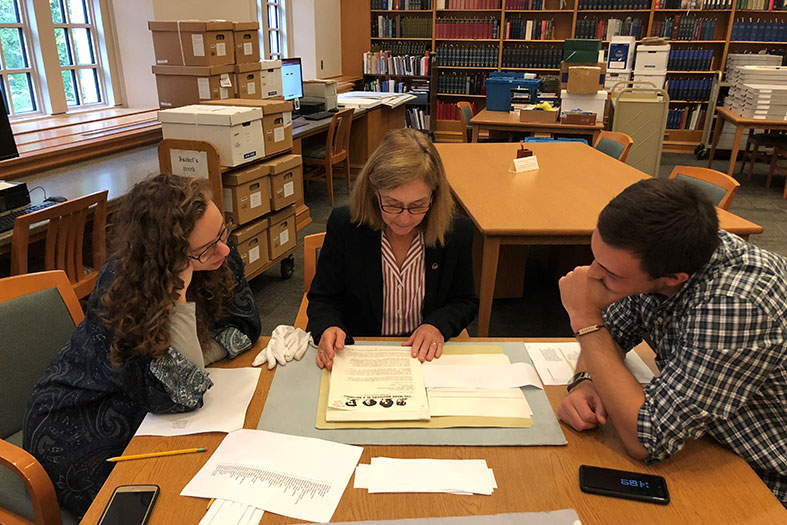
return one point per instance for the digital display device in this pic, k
(291, 78)
(130, 505)
(623, 484)
(7, 144)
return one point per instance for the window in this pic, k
(272, 15)
(16, 74)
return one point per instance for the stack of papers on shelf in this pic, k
(765, 101)
(454, 476)
(299, 477)
(371, 99)
(556, 362)
(223, 410)
(746, 82)
(226, 512)
(501, 400)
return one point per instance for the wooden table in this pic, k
(741, 124)
(509, 121)
(708, 484)
(558, 204)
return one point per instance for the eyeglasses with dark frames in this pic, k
(396, 209)
(210, 250)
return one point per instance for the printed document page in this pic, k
(455, 476)
(556, 362)
(376, 383)
(299, 477)
(223, 410)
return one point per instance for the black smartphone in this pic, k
(623, 484)
(130, 505)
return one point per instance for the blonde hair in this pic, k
(403, 156)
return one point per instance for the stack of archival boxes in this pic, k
(582, 96)
(261, 179)
(651, 64)
(620, 62)
(199, 60)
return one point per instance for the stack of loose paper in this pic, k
(556, 362)
(376, 383)
(454, 476)
(223, 410)
(226, 512)
(370, 99)
(493, 392)
(294, 476)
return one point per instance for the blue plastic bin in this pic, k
(499, 85)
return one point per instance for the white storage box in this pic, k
(651, 58)
(270, 78)
(656, 78)
(620, 56)
(590, 103)
(235, 131)
(613, 78)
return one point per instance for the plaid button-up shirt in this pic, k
(721, 347)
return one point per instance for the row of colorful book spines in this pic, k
(478, 28)
(448, 111)
(469, 56)
(468, 4)
(765, 5)
(416, 118)
(539, 29)
(598, 28)
(396, 65)
(681, 118)
(759, 31)
(385, 86)
(694, 90)
(595, 5)
(402, 5)
(693, 4)
(532, 5)
(685, 29)
(690, 59)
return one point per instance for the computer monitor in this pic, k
(291, 79)
(7, 144)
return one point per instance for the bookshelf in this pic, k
(474, 37)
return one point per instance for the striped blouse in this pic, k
(403, 288)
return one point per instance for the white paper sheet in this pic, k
(298, 477)
(226, 512)
(556, 362)
(484, 376)
(224, 408)
(426, 475)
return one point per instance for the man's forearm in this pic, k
(618, 389)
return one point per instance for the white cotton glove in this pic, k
(287, 343)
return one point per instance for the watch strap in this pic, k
(577, 379)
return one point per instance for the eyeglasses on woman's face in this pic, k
(396, 209)
(209, 251)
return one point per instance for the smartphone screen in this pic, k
(130, 505)
(623, 484)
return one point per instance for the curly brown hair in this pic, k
(150, 245)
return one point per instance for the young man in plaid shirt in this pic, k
(714, 310)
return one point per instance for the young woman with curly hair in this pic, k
(171, 299)
(398, 261)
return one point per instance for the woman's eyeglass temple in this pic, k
(223, 237)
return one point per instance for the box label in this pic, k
(189, 163)
(251, 88)
(284, 237)
(278, 134)
(221, 49)
(287, 115)
(224, 80)
(203, 84)
(255, 199)
(227, 200)
(198, 45)
(289, 189)
(224, 93)
(248, 48)
(254, 254)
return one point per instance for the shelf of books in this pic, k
(468, 39)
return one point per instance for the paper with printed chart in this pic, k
(223, 410)
(298, 477)
(376, 383)
(556, 362)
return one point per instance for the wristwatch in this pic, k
(577, 379)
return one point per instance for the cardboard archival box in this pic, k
(235, 132)
(270, 78)
(651, 58)
(583, 80)
(193, 42)
(276, 121)
(252, 243)
(247, 193)
(537, 115)
(579, 118)
(184, 85)
(247, 42)
(247, 80)
(564, 72)
(281, 232)
(286, 180)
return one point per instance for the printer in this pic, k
(319, 95)
(13, 195)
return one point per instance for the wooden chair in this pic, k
(311, 249)
(719, 186)
(335, 150)
(65, 240)
(753, 145)
(779, 152)
(27, 495)
(465, 114)
(615, 144)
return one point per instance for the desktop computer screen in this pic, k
(291, 79)
(7, 144)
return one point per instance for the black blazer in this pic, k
(347, 290)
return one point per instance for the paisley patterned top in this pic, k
(84, 410)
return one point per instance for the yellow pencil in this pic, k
(158, 454)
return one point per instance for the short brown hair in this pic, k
(671, 225)
(403, 156)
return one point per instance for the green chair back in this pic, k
(715, 193)
(611, 147)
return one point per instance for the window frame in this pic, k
(282, 7)
(31, 69)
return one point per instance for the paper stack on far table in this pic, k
(454, 476)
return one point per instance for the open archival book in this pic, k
(376, 383)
